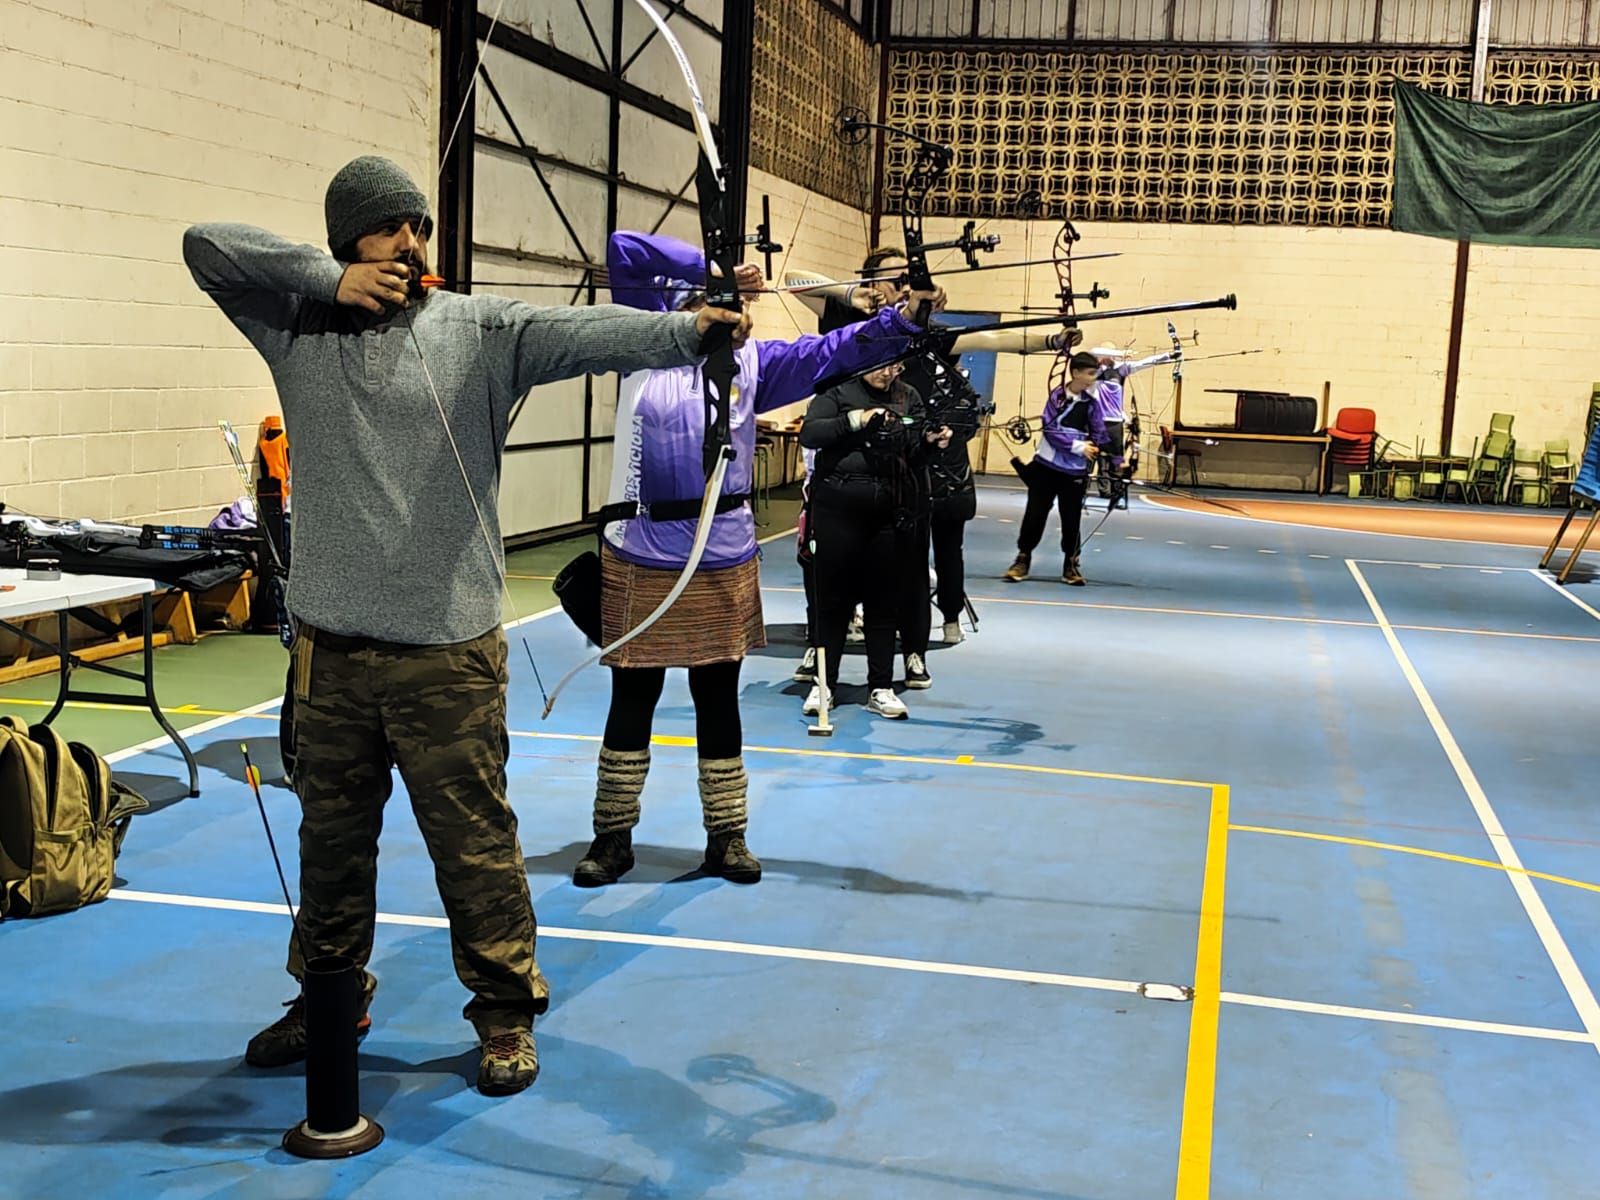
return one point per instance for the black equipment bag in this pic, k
(577, 587)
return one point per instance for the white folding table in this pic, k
(36, 597)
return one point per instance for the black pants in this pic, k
(916, 615)
(808, 580)
(949, 565)
(1104, 473)
(635, 691)
(857, 563)
(1047, 486)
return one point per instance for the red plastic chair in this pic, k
(1354, 431)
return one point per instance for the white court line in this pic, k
(1433, 566)
(882, 962)
(1405, 1018)
(1562, 592)
(155, 743)
(755, 949)
(1555, 945)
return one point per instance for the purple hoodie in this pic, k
(1071, 424)
(661, 413)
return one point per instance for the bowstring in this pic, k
(496, 553)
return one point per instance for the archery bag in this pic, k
(62, 821)
(577, 587)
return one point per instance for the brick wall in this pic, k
(121, 124)
(1367, 311)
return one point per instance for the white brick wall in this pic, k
(121, 123)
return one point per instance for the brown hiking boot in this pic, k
(284, 1041)
(1070, 573)
(509, 1063)
(1017, 571)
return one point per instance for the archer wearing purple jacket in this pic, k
(658, 476)
(1074, 436)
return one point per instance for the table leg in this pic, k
(64, 659)
(154, 705)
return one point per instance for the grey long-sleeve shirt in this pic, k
(386, 544)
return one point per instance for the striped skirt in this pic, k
(717, 619)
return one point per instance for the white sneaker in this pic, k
(952, 633)
(856, 634)
(813, 705)
(806, 672)
(917, 672)
(886, 704)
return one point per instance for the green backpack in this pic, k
(62, 821)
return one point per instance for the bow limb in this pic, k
(708, 509)
(719, 371)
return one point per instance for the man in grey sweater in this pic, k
(399, 656)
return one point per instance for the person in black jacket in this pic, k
(953, 501)
(872, 442)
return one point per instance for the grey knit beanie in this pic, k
(365, 193)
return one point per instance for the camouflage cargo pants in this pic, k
(438, 713)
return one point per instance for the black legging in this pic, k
(948, 564)
(715, 688)
(916, 615)
(1048, 486)
(857, 563)
(808, 580)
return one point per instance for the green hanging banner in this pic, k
(1520, 175)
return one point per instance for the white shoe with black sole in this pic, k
(813, 704)
(917, 672)
(886, 704)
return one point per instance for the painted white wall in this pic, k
(120, 125)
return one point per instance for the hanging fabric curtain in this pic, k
(1523, 175)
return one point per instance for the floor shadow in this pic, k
(161, 791)
(672, 865)
(265, 752)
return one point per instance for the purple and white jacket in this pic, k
(1071, 425)
(661, 413)
(1108, 388)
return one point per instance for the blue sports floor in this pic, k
(1264, 866)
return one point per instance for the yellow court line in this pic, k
(1200, 1075)
(1463, 859)
(186, 710)
(965, 760)
(544, 577)
(661, 739)
(1248, 616)
(914, 759)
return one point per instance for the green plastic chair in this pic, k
(1489, 468)
(1528, 485)
(1559, 469)
(1459, 475)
